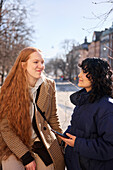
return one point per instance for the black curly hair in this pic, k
(100, 74)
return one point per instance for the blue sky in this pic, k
(57, 20)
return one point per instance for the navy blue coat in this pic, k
(92, 124)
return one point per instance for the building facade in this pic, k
(101, 47)
(94, 46)
(106, 41)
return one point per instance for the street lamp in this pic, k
(104, 48)
(104, 52)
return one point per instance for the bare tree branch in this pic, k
(103, 2)
(102, 18)
(14, 33)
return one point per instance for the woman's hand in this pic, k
(69, 141)
(31, 166)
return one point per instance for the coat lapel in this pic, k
(42, 99)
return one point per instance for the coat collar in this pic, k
(80, 97)
(43, 95)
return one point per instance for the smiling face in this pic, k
(35, 67)
(84, 82)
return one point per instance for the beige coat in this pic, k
(11, 143)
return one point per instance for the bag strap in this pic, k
(40, 111)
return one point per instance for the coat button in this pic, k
(44, 128)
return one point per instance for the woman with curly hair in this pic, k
(27, 114)
(90, 143)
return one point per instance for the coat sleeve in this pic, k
(100, 148)
(54, 120)
(12, 141)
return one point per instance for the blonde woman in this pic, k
(26, 139)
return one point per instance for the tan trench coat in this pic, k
(10, 143)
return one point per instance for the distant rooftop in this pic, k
(108, 31)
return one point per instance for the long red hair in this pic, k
(15, 98)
